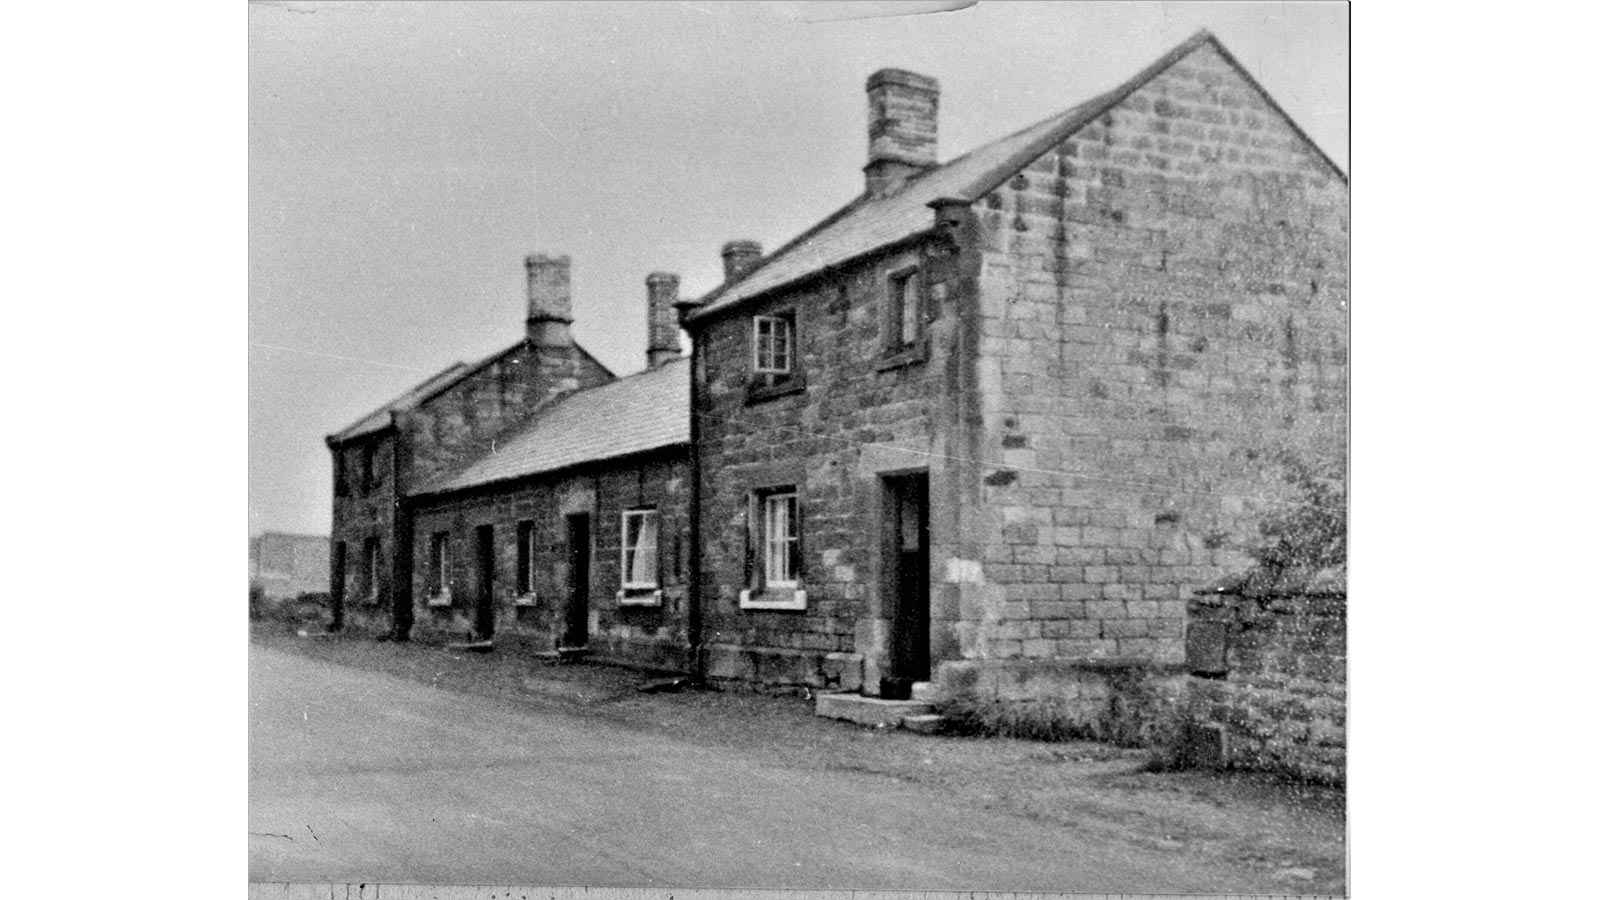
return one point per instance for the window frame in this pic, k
(765, 383)
(633, 590)
(780, 548)
(371, 566)
(341, 473)
(901, 284)
(787, 321)
(525, 562)
(369, 466)
(762, 592)
(439, 569)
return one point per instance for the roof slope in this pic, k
(645, 411)
(864, 226)
(378, 419)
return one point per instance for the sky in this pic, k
(405, 157)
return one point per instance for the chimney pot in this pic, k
(662, 290)
(739, 257)
(902, 129)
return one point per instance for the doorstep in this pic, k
(870, 710)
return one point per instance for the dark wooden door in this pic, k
(906, 560)
(485, 580)
(336, 586)
(577, 630)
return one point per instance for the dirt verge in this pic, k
(1295, 832)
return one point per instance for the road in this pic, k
(358, 776)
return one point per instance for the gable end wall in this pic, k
(1164, 320)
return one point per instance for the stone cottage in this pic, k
(990, 424)
(474, 438)
(569, 534)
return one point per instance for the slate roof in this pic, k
(378, 419)
(645, 411)
(864, 225)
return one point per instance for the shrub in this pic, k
(1310, 534)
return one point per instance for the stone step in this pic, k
(930, 724)
(927, 692)
(869, 710)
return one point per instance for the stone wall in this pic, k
(653, 635)
(287, 565)
(365, 510)
(1267, 689)
(853, 414)
(502, 393)
(442, 432)
(1164, 334)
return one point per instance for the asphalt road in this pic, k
(358, 776)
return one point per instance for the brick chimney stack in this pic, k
(739, 257)
(902, 129)
(662, 289)
(549, 300)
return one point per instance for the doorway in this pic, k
(336, 587)
(485, 572)
(905, 564)
(576, 633)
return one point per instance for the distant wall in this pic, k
(1267, 682)
(287, 565)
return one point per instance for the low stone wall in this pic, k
(1267, 678)
(1127, 701)
(783, 667)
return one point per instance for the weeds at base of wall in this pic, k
(1134, 716)
(1175, 757)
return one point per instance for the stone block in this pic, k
(842, 670)
(869, 711)
(925, 724)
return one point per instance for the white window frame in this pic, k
(653, 519)
(779, 539)
(782, 593)
(776, 325)
(439, 563)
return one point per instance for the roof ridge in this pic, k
(390, 404)
(864, 226)
(441, 483)
(1075, 117)
(467, 370)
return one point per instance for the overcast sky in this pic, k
(405, 157)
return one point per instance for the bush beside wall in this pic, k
(1267, 688)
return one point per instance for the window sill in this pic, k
(439, 600)
(529, 599)
(905, 356)
(639, 597)
(774, 598)
(762, 387)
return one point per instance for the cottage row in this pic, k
(991, 423)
